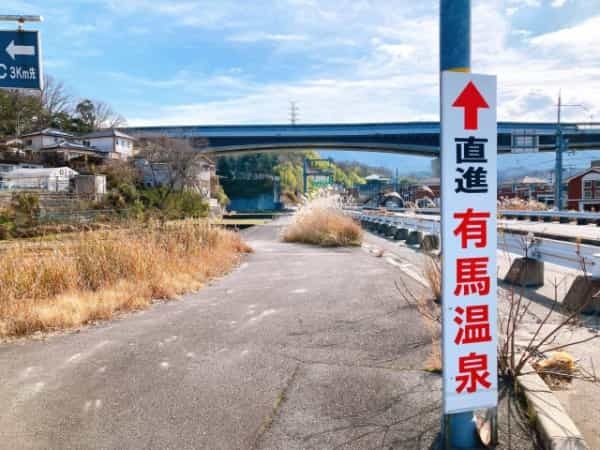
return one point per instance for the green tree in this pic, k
(19, 113)
(85, 111)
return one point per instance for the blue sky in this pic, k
(225, 61)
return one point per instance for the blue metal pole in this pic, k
(455, 35)
(455, 54)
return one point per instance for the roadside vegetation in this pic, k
(94, 275)
(170, 190)
(326, 227)
(521, 205)
(516, 353)
(122, 205)
(261, 169)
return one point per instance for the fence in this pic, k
(82, 216)
(581, 217)
(35, 183)
(572, 255)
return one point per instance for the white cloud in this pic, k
(580, 39)
(319, 101)
(558, 3)
(258, 36)
(389, 71)
(187, 82)
(527, 3)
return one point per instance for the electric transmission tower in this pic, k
(293, 113)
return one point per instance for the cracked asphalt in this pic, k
(298, 348)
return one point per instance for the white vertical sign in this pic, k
(468, 153)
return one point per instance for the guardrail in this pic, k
(566, 254)
(585, 258)
(581, 217)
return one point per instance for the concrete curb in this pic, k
(557, 430)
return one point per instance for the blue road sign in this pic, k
(20, 60)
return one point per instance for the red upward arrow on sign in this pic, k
(471, 100)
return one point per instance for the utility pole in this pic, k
(559, 158)
(561, 145)
(293, 113)
(305, 175)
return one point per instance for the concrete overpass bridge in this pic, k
(413, 138)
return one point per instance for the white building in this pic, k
(47, 137)
(112, 143)
(9, 167)
(53, 179)
(107, 144)
(198, 179)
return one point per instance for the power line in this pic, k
(293, 113)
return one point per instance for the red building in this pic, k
(421, 189)
(584, 189)
(527, 188)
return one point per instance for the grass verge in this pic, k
(325, 227)
(99, 274)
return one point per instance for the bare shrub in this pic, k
(93, 275)
(515, 353)
(433, 275)
(325, 227)
(431, 314)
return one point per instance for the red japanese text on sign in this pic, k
(473, 370)
(472, 276)
(472, 227)
(473, 328)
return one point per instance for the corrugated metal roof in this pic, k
(109, 132)
(42, 172)
(49, 132)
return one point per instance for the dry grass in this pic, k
(326, 227)
(99, 274)
(430, 312)
(432, 316)
(520, 204)
(433, 275)
(557, 369)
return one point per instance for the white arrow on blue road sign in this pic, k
(19, 50)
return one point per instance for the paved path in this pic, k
(299, 348)
(581, 399)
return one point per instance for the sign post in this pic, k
(20, 56)
(475, 107)
(468, 153)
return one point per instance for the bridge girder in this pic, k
(413, 138)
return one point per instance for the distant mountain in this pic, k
(509, 166)
(406, 164)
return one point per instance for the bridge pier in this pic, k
(436, 167)
(415, 237)
(584, 293)
(384, 229)
(391, 233)
(401, 234)
(526, 272)
(430, 242)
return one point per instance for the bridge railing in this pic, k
(585, 258)
(582, 217)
